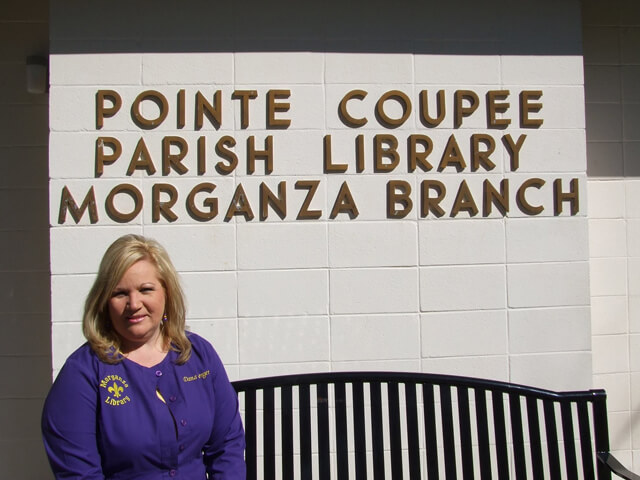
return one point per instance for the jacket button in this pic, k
(158, 373)
(183, 422)
(172, 398)
(172, 473)
(181, 448)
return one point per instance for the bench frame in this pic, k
(585, 450)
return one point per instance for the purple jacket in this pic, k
(103, 421)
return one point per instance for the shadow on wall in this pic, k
(426, 27)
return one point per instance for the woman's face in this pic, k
(137, 305)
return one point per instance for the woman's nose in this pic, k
(134, 301)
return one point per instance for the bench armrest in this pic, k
(616, 467)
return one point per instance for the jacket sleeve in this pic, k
(224, 452)
(69, 424)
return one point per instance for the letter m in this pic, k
(68, 204)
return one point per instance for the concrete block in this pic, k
(30, 215)
(34, 385)
(297, 154)
(68, 293)
(282, 293)
(364, 107)
(608, 276)
(609, 315)
(604, 159)
(23, 126)
(608, 238)
(549, 330)
(618, 390)
(24, 292)
(96, 70)
(463, 242)
(632, 197)
(177, 203)
(543, 195)
(291, 245)
(376, 366)
(479, 287)
(601, 45)
(546, 151)
(196, 248)
(547, 239)
(372, 244)
(604, 122)
(440, 70)
(269, 369)
(210, 294)
(634, 314)
(631, 153)
(602, 83)
(16, 342)
(562, 107)
(187, 68)
(375, 337)
(373, 290)
(548, 284)
(369, 194)
(490, 367)
(606, 199)
(278, 68)
(25, 250)
(629, 42)
(541, 69)
(631, 122)
(292, 339)
(297, 196)
(66, 338)
(80, 249)
(223, 335)
(611, 353)
(363, 69)
(460, 334)
(619, 432)
(305, 102)
(553, 371)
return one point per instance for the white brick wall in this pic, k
(25, 343)
(463, 294)
(611, 64)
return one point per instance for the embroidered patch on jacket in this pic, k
(116, 387)
(197, 376)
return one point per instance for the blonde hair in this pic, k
(122, 254)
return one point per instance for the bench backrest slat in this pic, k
(431, 442)
(375, 426)
(466, 449)
(569, 443)
(517, 436)
(551, 430)
(533, 418)
(287, 432)
(585, 441)
(359, 433)
(483, 433)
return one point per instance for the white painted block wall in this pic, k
(499, 297)
(612, 65)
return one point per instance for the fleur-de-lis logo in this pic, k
(115, 389)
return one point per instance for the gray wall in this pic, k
(25, 350)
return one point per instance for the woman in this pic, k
(142, 399)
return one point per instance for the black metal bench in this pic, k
(381, 425)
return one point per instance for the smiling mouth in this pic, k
(136, 319)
